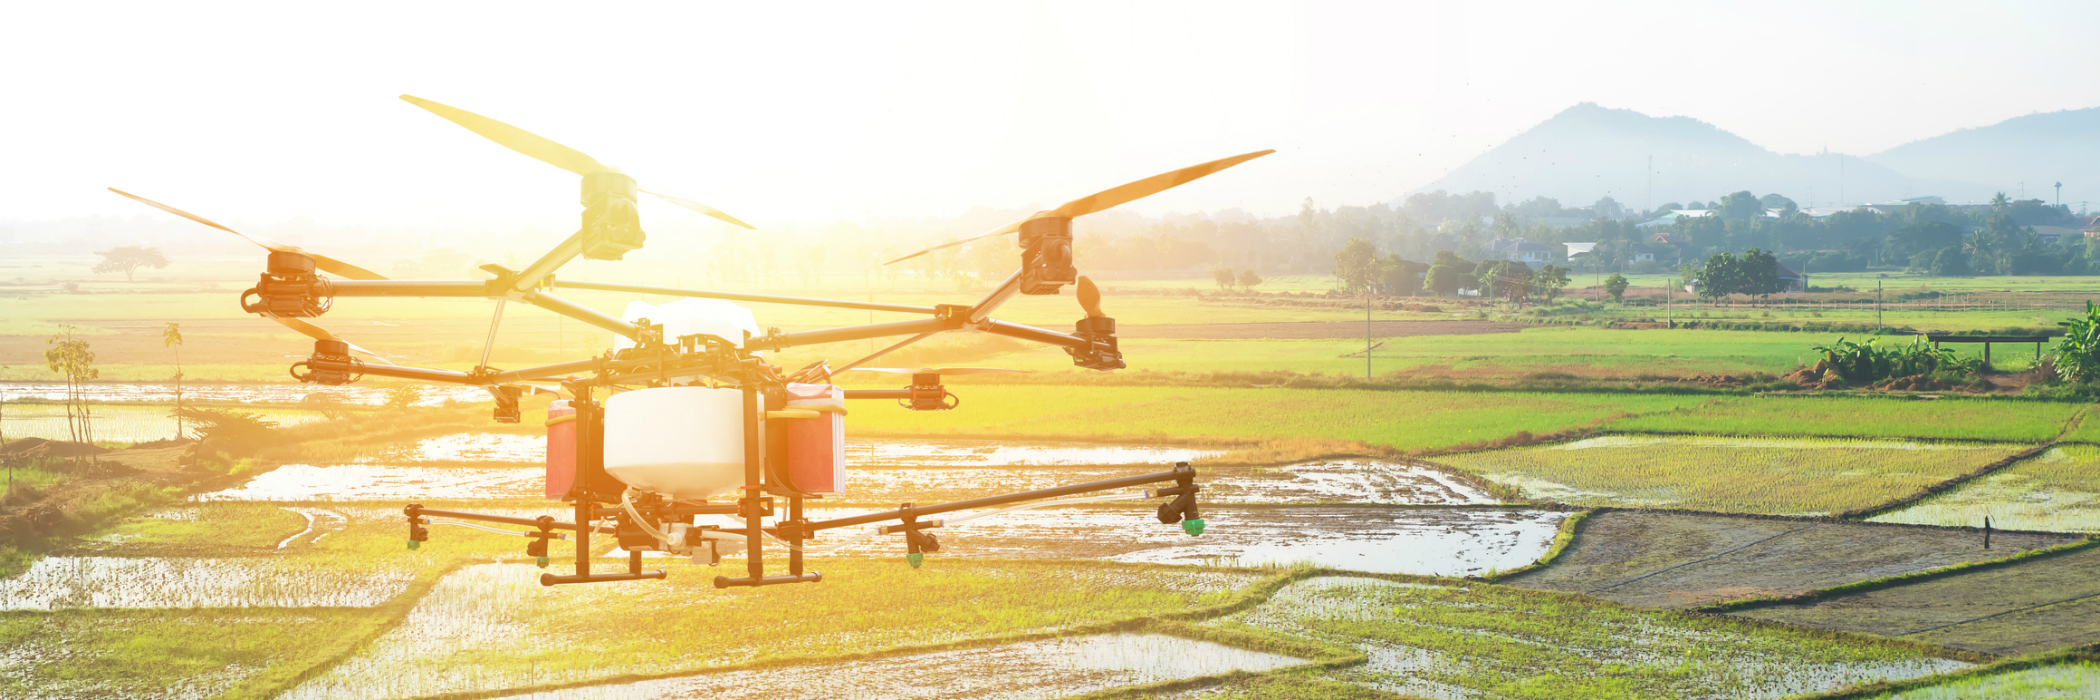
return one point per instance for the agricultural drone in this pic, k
(690, 409)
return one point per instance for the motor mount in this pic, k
(1046, 255)
(611, 224)
(289, 289)
(330, 365)
(1102, 352)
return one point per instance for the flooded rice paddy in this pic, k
(61, 583)
(124, 424)
(2054, 491)
(374, 482)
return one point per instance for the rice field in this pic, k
(2057, 490)
(1774, 476)
(2068, 681)
(493, 625)
(1949, 417)
(1403, 420)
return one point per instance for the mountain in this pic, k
(1587, 152)
(2040, 149)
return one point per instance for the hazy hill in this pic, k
(2040, 149)
(1588, 151)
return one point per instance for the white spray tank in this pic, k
(684, 442)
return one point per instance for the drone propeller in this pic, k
(546, 151)
(321, 261)
(318, 333)
(1108, 198)
(1089, 297)
(937, 370)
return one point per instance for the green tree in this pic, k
(1615, 285)
(1740, 206)
(1249, 280)
(1356, 266)
(1949, 262)
(128, 259)
(1719, 277)
(1396, 276)
(1549, 281)
(1224, 277)
(72, 359)
(172, 337)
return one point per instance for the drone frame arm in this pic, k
(753, 298)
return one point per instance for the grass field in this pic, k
(1867, 416)
(1774, 476)
(2058, 490)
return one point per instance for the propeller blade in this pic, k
(325, 263)
(1089, 297)
(514, 138)
(318, 333)
(702, 208)
(266, 243)
(1009, 228)
(1147, 187)
(939, 370)
(328, 264)
(1111, 197)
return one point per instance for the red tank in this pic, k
(561, 449)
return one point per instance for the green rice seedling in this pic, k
(2069, 680)
(2054, 491)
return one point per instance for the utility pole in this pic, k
(1877, 304)
(2059, 194)
(1669, 302)
(1367, 336)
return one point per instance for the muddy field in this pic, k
(1669, 560)
(2035, 605)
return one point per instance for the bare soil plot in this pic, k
(1671, 560)
(1315, 330)
(2032, 606)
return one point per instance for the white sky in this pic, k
(796, 112)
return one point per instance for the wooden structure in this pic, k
(1987, 340)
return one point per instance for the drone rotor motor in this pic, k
(611, 224)
(289, 289)
(1046, 255)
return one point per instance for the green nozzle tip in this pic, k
(915, 559)
(412, 544)
(542, 561)
(1193, 526)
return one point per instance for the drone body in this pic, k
(693, 420)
